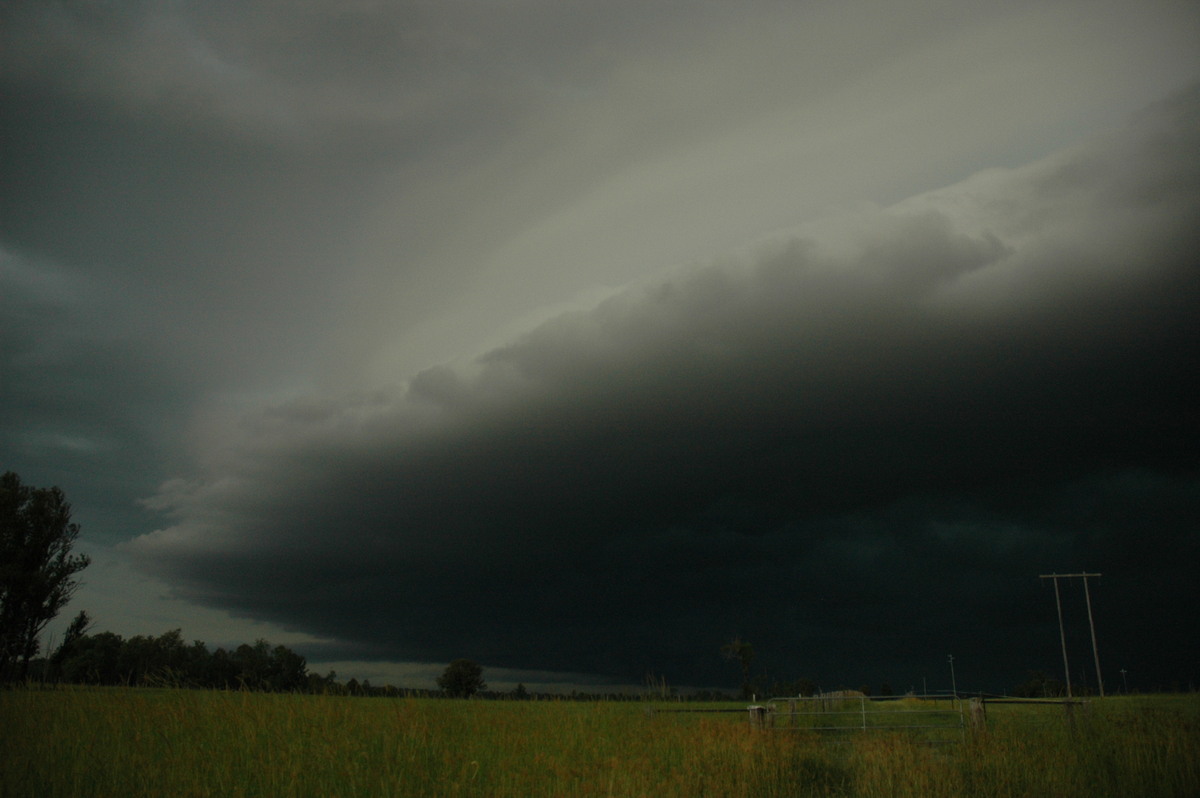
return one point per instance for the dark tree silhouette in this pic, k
(167, 660)
(75, 632)
(1040, 685)
(36, 567)
(741, 652)
(462, 679)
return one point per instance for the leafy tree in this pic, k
(222, 671)
(162, 660)
(462, 679)
(1039, 684)
(94, 659)
(75, 632)
(254, 665)
(107, 658)
(139, 658)
(314, 683)
(36, 567)
(289, 670)
(197, 664)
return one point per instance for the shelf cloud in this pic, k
(898, 417)
(580, 338)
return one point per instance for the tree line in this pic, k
(168, 660)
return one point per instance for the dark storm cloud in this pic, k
(856, 447)
(206, 208)
(223, 163)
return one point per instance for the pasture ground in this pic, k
(152, 742)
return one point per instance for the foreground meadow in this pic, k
(135, 742)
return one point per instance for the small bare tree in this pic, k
(738, 650)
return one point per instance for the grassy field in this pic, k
(138, 742)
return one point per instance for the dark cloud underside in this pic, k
(858, 455)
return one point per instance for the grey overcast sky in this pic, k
(577, 338)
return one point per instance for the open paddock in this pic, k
(142, 742)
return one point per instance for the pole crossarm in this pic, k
(1065, 576)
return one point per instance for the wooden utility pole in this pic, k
(1062, 635)
(1091, 624)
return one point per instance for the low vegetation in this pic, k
(74, 741)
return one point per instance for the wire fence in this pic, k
(841, 717)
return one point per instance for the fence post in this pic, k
(758, 716)
(978, 715)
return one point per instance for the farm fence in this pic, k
(839, 717)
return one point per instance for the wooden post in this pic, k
(978, 715)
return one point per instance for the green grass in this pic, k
(138, 742)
